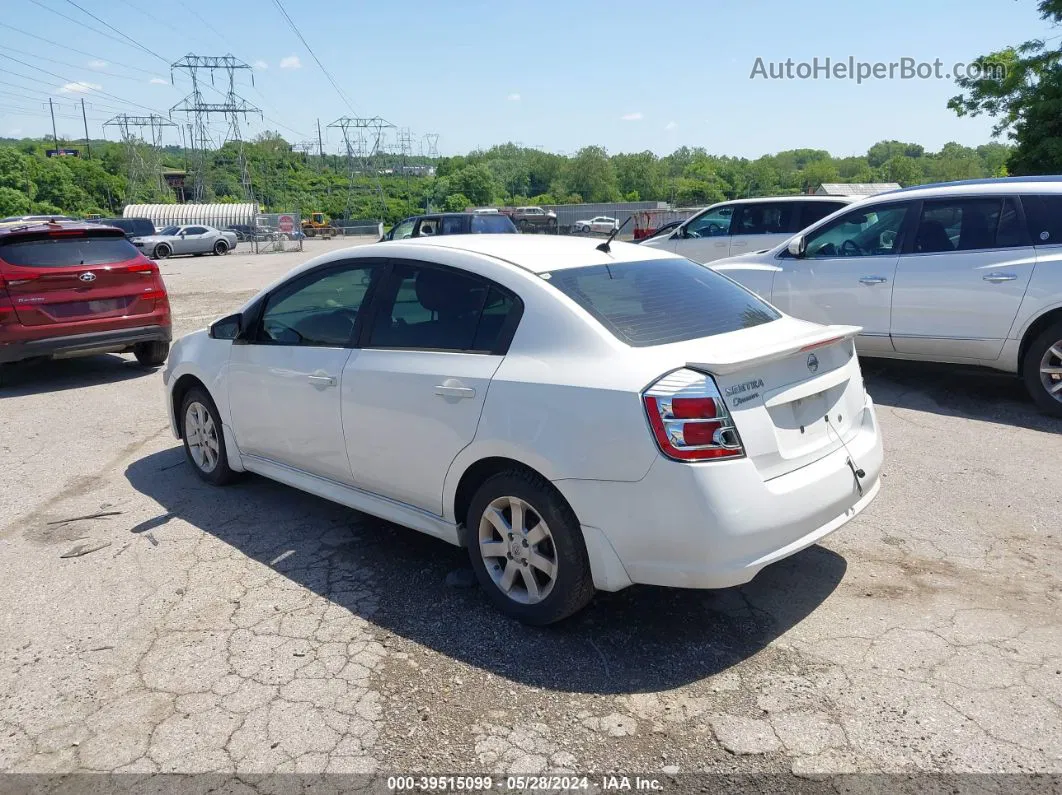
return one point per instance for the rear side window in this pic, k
(63, 252)
(451, 225)
(492, 224)
(662, 301)
(1044, 216)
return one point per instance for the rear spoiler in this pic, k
(817, 338)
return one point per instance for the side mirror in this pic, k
(182, 233)
(798, 246)
(228, 328)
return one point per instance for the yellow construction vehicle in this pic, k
(318, 225)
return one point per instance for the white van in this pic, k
(743, 226)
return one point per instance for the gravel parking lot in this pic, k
(256, 629)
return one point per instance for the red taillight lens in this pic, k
(153, 295)
(142, 267)
(689, 420)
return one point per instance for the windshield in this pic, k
(661, 301)
(61, 252)
(169, 230)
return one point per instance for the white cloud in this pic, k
(671, 125)
(158, 81)
(97, 64)
(513, 97)
(260, 64)
(80, 87)
(291, 62)
(14, 132)
(632, 117)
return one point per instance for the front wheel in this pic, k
(221, 247)
(204, 442)
(151, 354)
(161, 251)
(1042, 370)
(527, 549)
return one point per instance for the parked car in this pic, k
(70, 288)
(133, 227)
(451, 224)
(529, 219)
(964, 272)
(244, 232)
(746, 225)
(601, 223)
(187, 239)
(578, 418)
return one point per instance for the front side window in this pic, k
(768, 218)
(874, 231)
(195, 230)
(320, 310)
(402, 230)
(967, 225)
(432, 308)
(427, 227)
(660, 301)
(169, 231)
(714, 223)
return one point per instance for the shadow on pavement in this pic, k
(57, 375)
(640, 639)
(955, 391)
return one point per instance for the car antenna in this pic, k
(605, 246)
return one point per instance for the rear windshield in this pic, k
(489, 223)
(661, 301)
(60, 252)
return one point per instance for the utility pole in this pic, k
(84, 118)
(320, 141)
(55, 135)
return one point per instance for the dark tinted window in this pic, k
(492, 224)
(1044, 216)
(767, 218)
(440, 309)
(812, 212)
(195, 230)
(138, 227)
(661, 301)
(318, 310)
(452, 225)
(967, 225)
(61, 252)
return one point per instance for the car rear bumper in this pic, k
(83, 344)
(717, 524)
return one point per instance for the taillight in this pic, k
(688, 418)
(142, 267)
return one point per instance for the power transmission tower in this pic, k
(357, 134)
(405, 148)
(234, 109)
(430, 145)
(131, 128)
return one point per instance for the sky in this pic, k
(626, 75)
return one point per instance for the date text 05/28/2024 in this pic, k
(519, 783)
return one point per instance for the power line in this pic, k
(79, 23)
(71, 49)
(309, 49)
(207, 24)
(104, 106)
(71, 65)
(131, 40)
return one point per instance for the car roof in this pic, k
(993, 185)
(802, 197)
(13, 228)
(540, 253)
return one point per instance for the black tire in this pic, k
(151, 354)
(161, 251)
(1049, 339)
(572, 585)
(219, 474)
(221, 248)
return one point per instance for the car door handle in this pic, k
(999, 277)
(447, 391)
(321, 380)
(873, 280)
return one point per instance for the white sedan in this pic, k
(601, 223)
(580, 417)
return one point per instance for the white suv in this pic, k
(745, 225)
(963, 272)
(579, 416)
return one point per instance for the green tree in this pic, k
(456, 203)
(476, 182)
(14, 202)
(590, 174)
(904, 170)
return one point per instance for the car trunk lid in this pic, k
(68, 275)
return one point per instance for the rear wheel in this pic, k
(527, 550)
(1042, 370)
(161, 251)
(221, 247)
(204, 442)
(151, 354)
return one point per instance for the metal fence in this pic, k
(273, 232)
(569, 214)
(358, 227)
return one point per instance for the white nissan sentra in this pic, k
(580, 417)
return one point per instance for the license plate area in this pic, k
(801, 426)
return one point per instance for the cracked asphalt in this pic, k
(259, 630)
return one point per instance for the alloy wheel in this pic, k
(1051, 371)
(202, 436)
(517, 550)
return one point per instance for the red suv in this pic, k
(71, 288)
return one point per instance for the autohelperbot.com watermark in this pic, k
(905, 68)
